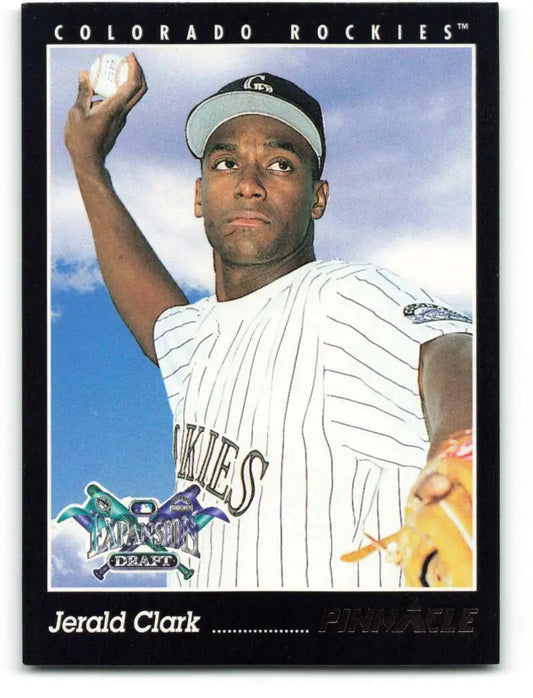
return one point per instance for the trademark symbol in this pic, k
(462, 25)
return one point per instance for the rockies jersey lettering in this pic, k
(297, 412)
(210, 470)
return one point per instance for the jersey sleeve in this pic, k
(175, 333)
(393, 313)
(372, 331)
(422, 315)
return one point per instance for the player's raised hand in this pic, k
(93, 126)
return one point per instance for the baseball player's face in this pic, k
(257, 195)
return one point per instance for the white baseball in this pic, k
(108, 73)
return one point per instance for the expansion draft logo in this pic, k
(160, 530)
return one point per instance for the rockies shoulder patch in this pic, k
(429, 312)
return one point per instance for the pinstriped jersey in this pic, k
(296, 410)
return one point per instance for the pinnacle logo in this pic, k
(254, 84)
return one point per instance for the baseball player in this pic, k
(307, 396)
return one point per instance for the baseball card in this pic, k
(260, 257)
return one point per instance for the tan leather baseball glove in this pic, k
(434, 546)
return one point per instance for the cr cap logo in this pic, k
(252, 84)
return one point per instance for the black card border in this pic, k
(220, 609)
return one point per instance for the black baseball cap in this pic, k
(263, 94)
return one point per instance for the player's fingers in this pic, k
(459, 471)
(138, 96)
(96, 104)
(434, 486)
(135, 68)
(131, 91)
(82, 104)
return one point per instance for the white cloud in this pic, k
(69, 561)
(82, 277)
(444, 266)
(71, 235)
(160, 200)
(70, 567)
(162, 205)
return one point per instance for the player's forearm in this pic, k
(140, 286)
(446, 386)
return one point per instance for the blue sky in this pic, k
(399, 162)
